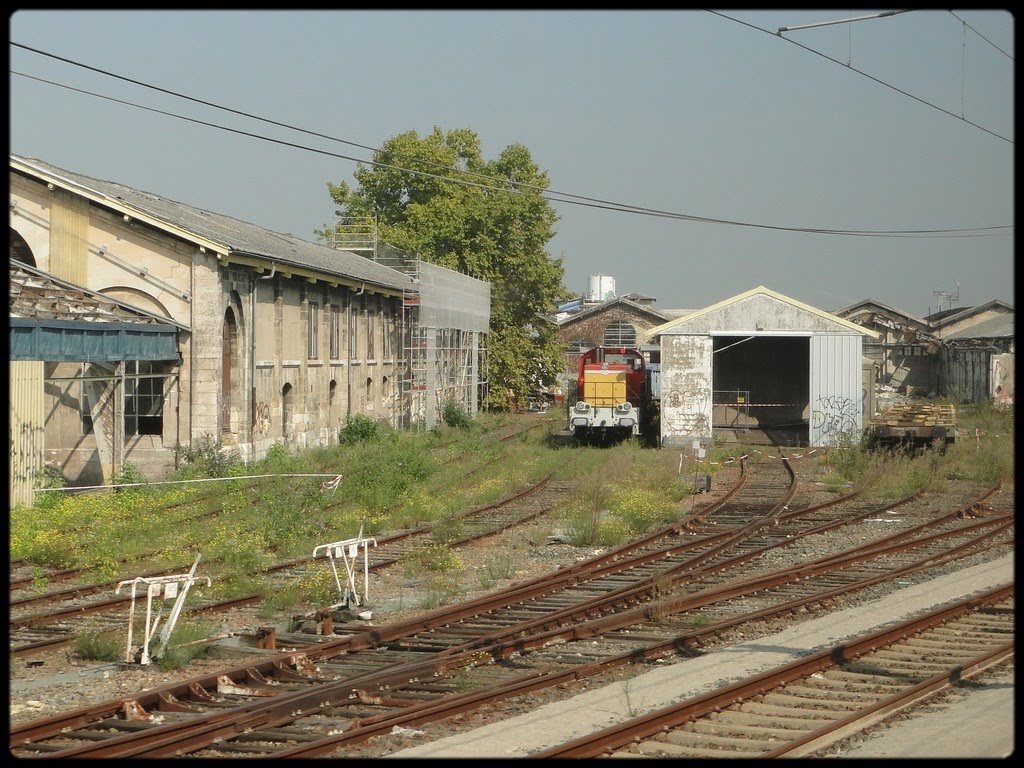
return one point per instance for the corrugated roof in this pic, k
(224, 233)
(38, 295)
(956, 316)
(845, 311)
(994, 328)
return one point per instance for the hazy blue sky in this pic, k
(687, 112)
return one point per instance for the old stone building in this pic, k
(278, 340)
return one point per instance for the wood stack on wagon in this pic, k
(914, 422)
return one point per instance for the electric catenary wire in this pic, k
(515, 188)
(865, 74)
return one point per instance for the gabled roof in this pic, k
(221, 234)
(956, 317)
(759, 291)
(867, 303)
(621, 300)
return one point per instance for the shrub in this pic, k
(203, 459)
(432, 557)
(454, 416)
(359, 428)
(183, 645)
(501, 566)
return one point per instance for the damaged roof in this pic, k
(38, 295)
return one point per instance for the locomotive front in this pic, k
(610, 384)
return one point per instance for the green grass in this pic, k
(397, 480)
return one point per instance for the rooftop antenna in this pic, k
(949, 296)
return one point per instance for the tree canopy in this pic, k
(491, 222)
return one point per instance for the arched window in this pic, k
(619, 334)
(332, 403)
(228, 362)
(286, 410)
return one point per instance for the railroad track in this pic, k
(36, 632)
(399, 674)
(802, 707)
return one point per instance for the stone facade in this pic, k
(271, 355)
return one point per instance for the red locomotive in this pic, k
(612, 395)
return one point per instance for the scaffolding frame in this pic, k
(443, 328)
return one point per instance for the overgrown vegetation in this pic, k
(982, 453)
(241, 519)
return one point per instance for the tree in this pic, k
(491, 222)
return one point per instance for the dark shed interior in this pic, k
(762, 383)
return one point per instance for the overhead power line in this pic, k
(981, 36)
(864, 74)
(516, 187)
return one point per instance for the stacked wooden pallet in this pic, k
(918, 414)
(919, 423)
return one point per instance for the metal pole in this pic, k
(131, 623)
(839, 21)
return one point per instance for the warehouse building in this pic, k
(761, 360)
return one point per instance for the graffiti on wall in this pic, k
(1002, 379)
(834, 415)
(261, 419)
(686, 408)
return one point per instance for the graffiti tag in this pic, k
(261, 421)
(834, 415)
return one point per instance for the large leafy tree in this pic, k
(437, 197)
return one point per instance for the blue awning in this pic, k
(67, 341)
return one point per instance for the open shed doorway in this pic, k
(761, 389)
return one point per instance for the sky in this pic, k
(894, 134)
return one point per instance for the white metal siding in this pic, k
(835, 388)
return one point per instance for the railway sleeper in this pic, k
(275, 736)
(656, 747)
(684, 738)
(723, 727)
(831, 692)
(967, 645)
(875, 688)
(760, 708)
(805, 704)
(773, 720)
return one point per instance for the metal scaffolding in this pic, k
(444, 326)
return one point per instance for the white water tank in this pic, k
(602, 288)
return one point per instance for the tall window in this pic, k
(335, 331)
(314, 330)
(371, 348)
(86, 406)
(143, 398)
(619, 334)
(385, 340)
(353, 323)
